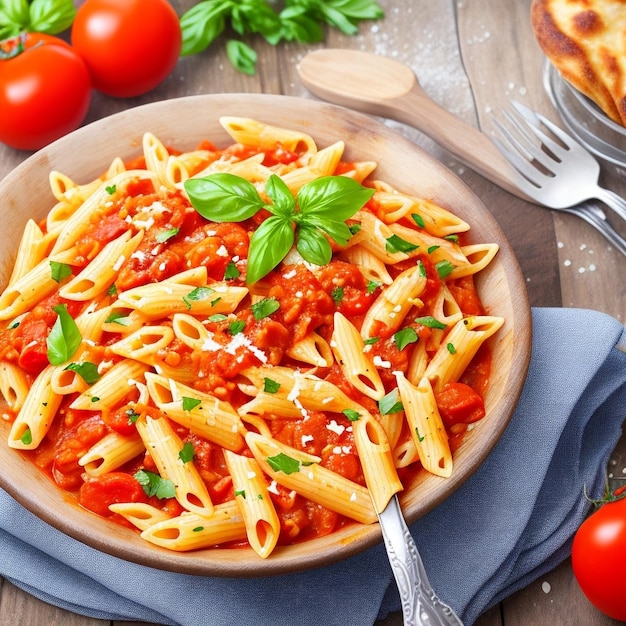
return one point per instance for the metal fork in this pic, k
(558, 174)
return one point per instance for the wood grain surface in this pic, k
(471, 58)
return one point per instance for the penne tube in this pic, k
(372, 268)
(36, 414)
(459, 348)
(95, 204)
(394, 302)
(191, 531)
(426, 426)
(206, 415)
(268, 405)
(357, 367)
(313, 349)
(311, 480)
(27, 291)
(376, 460)
(139, 514)
(165, 446)
(322, 163)
(93, 280)
(190, 330)
(255, 503)
(143, 344)
(110, 453)
(305, 390)
(251, 132)
(14, 385)
(155, 300)
(115, 385)
(31, 251)
(479, 256)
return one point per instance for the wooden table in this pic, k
(470, 57)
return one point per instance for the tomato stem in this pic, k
(609, 495)
(13, 46)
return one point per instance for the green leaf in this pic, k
(269, 245)
(337, 295)
(404, 337)
(352, 415)
(264, 308)
(197, 294)
(242, 56)
(444, 268)
(390, 403)
(338, 231)
(189, 404)
(284, 202)
(64, 338)
(202, 24)
(163, 235)
(59, 271)
(223, 197)
(14, 17)
(430, 322)
(283, 463)
(270, 386)
(231, 272)
(234, 328)
(51, 16)
(337, 198)
(418, 219)
(154, 485)
(358, 9)
(313, 245)
(395, 243)
(27, 437)
(86, 370)
(186, 455)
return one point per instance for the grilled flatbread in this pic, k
(586, 41)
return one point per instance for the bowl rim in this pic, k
(345, 542)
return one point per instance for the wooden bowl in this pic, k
(84, 154)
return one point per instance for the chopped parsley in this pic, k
(264, 308)
(189, 404)
(154, 485)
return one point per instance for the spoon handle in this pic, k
(420, 604)
(461, 139)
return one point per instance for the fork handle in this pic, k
(614, 201)
(594, 218)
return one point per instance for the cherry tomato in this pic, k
(129, 46)
(599, 558)
(45, 92)
(98, 492)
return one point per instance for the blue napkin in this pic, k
(511, 522)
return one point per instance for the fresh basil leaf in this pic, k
(283, 463)
(14, 18)
(234, 328)
(337, 198)
(395, 243)
(154, 485)
(51, 16)
(202, 24)
(87, 371)
(284, 202)
(264, 308)
(64, 338)
(352, 415)
(223, 197)
(270, 386)
(269, 245)
(241, 56)
(163, 235)
(404, 337)
(186, 455)
(197, 294)
(390, 403)
(189, 404)
(59, 271)
(444, 268)
(430, 322)
(337, 19)
(338, 231)
(313, 245)
(231, 272)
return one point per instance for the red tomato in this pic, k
(45, 92)
(130, 46)
(98, 492)
(599, 559)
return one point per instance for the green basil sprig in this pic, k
(64, 338)
(320, 208)
(40, 16)
(300, 21)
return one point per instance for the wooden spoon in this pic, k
(381, 86)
